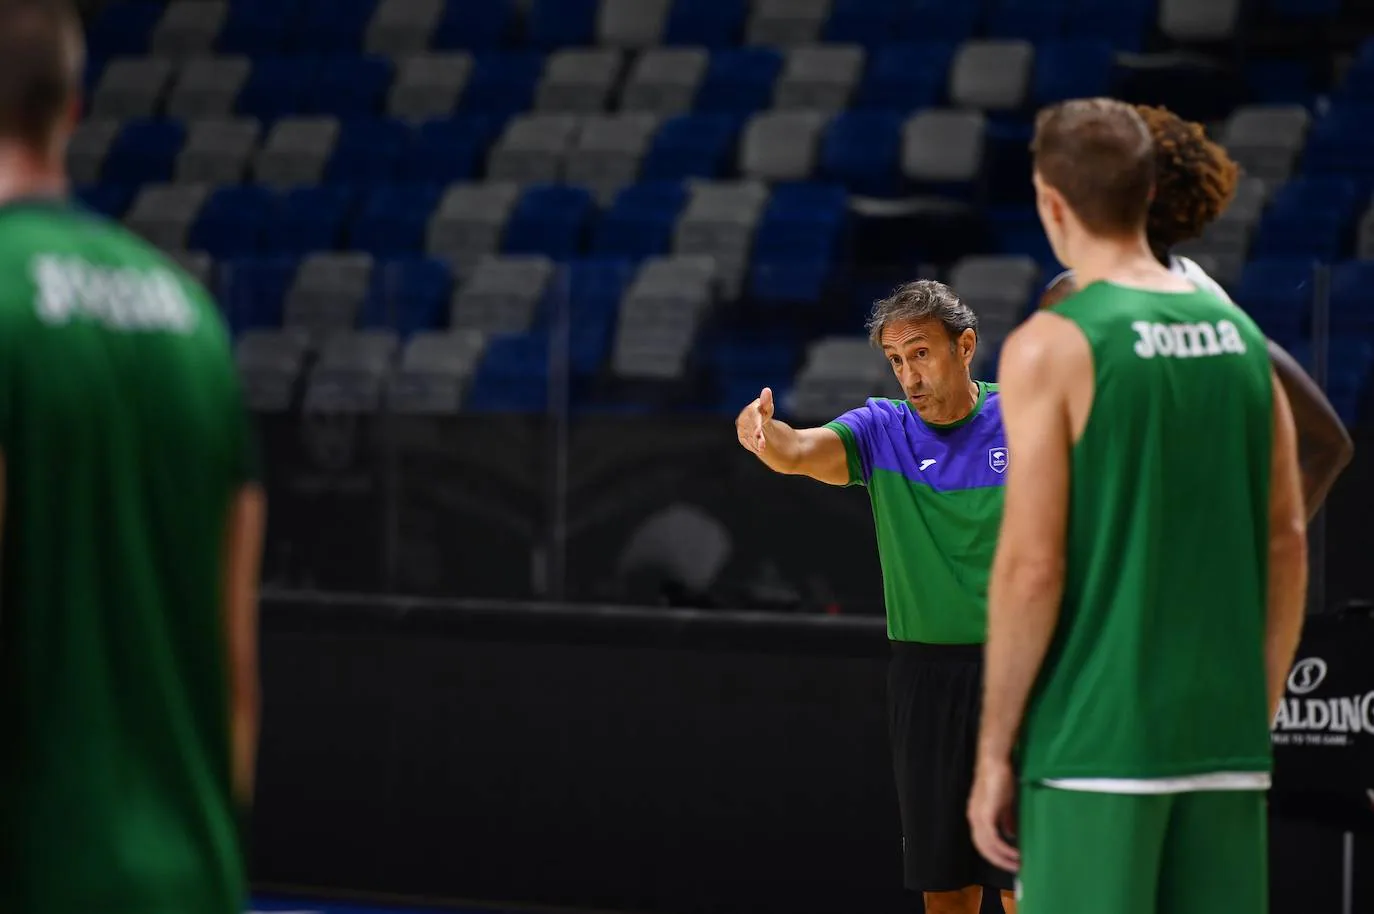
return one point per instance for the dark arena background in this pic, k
(537, 632)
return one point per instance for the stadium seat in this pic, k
(368, 151)
(513, 376)
(718, 24)
(308, 219)
(664, 80)
(1309, 217)
(208, 87)
(476, 26)
(162, 214)
(296, 150)
(660, 315)
(270, 364)
(836, 374)
(89, 148)
(188, 28)
(393, 219)
(1199, 20)
(1266, 140)
(1357, 85)
(196, 264)
(275, 87)
(402, 27)
(108, 200)
(256, 27)
(144, 152)
(865, 22)
(639, 223)
(819, 78)
(1341, 142)
(608, 151)
(781, 145)
(502, 83)
(578, 81)
(1027, 20)
(1072, 69)
(351, 373)
(691, 146)
(124, 28)
(1277, 293)
(347, 87)
(561, 23)
(551, 220)
(433, 372)
(470, 220)
(327, 293)
(1352, 299)
(719, 222)
(532, 148)
(905, 78)
(252, 290)
(631, 24)
(796, 244)
(999, 289)
(863, 151)
(131, 87)
(1123, 24)
(502, 295)
(217, 151)
(429, 85)
(407, 295)
(739, 81)
(943, 146)
(992, 75)
(448, 150)
(232, 221)
(331, 26)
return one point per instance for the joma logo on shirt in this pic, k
(122, 298)
(1187, 341)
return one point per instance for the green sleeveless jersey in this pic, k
(1156, 668)
(123, 437)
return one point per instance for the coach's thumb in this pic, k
(766, 402)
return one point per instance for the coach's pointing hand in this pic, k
(753, 422)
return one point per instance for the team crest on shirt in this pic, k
(997, 459)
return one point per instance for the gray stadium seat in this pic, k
(402, 26)
(502, 294)
(786, 22)
(328, 289)
(351, 373)
(470, 220)
(208, 87)
(532, 148)
(609, 151)
(131, 87)
(1365, 249)
(664, 80)
(296, 150)
(1199, 20)
(1266, 139)
(838, 374)
(189, 27)
(429, 85)
(88, 147)
(1226, 241)
(269, 363)
(217, 151)
(197, 265)
(998, 289)
(434, 370)
(819, 78)
(681, 545)
(162, 213)
(991, 75)
(781, 145)
(660, 316)
(578, 81)
(719, 222)
(631, 23)
(943, 145)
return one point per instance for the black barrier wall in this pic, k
(654, 761)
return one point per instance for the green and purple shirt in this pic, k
(937, 505)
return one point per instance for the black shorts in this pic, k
(934, 696)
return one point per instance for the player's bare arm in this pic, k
(242, 564)
(815, 452)
(1287, 589)
(1039, 363)
(1324, 445)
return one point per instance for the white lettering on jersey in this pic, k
(121, 298)
(1187, 341)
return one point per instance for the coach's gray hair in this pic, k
(918, 301)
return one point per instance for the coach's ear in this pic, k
(966, 346)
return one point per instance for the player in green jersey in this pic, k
(131, 526)
(933, 464)
(1148, 588)
(1195, 179)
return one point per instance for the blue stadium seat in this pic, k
(144, 152)
(1349, 365)
(252, 290)
(409, 295)
(594, 289)
(347, 87)
(90, 75)
(331, 26)
(1341, 142)
(231, 222)
(1352, 298)
(1123, 24)
(640, 222)
(739, 81)
(368, 151)
(1072, 69)
(715, 24)
(1007, 162)
(1017, 230)
(513, 376)
(863, 151)
(258, 27)
(108, 200)
(393, 219)
(475, 26)
(549, 219)
(692, 146)
(1276, 293)
(868, 22)
(795, 246)
(1033, 20)
(1281, 82)
(905, 78)
(309, 219)
(275, 86)
(447, 151)
(1308, 217)
(558, 23)
(124, 28)
(502, 83)
(936, 20)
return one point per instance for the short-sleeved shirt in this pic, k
(124, 438)
(937, 505)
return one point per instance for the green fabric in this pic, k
(124, 436)
(1182, 853)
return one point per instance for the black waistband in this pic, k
(918, 650)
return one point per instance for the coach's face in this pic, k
(932, 369)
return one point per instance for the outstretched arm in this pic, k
(1324, 445)
(815, 452)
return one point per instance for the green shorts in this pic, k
(1178, 853)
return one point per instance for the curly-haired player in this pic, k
(1195, 180)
